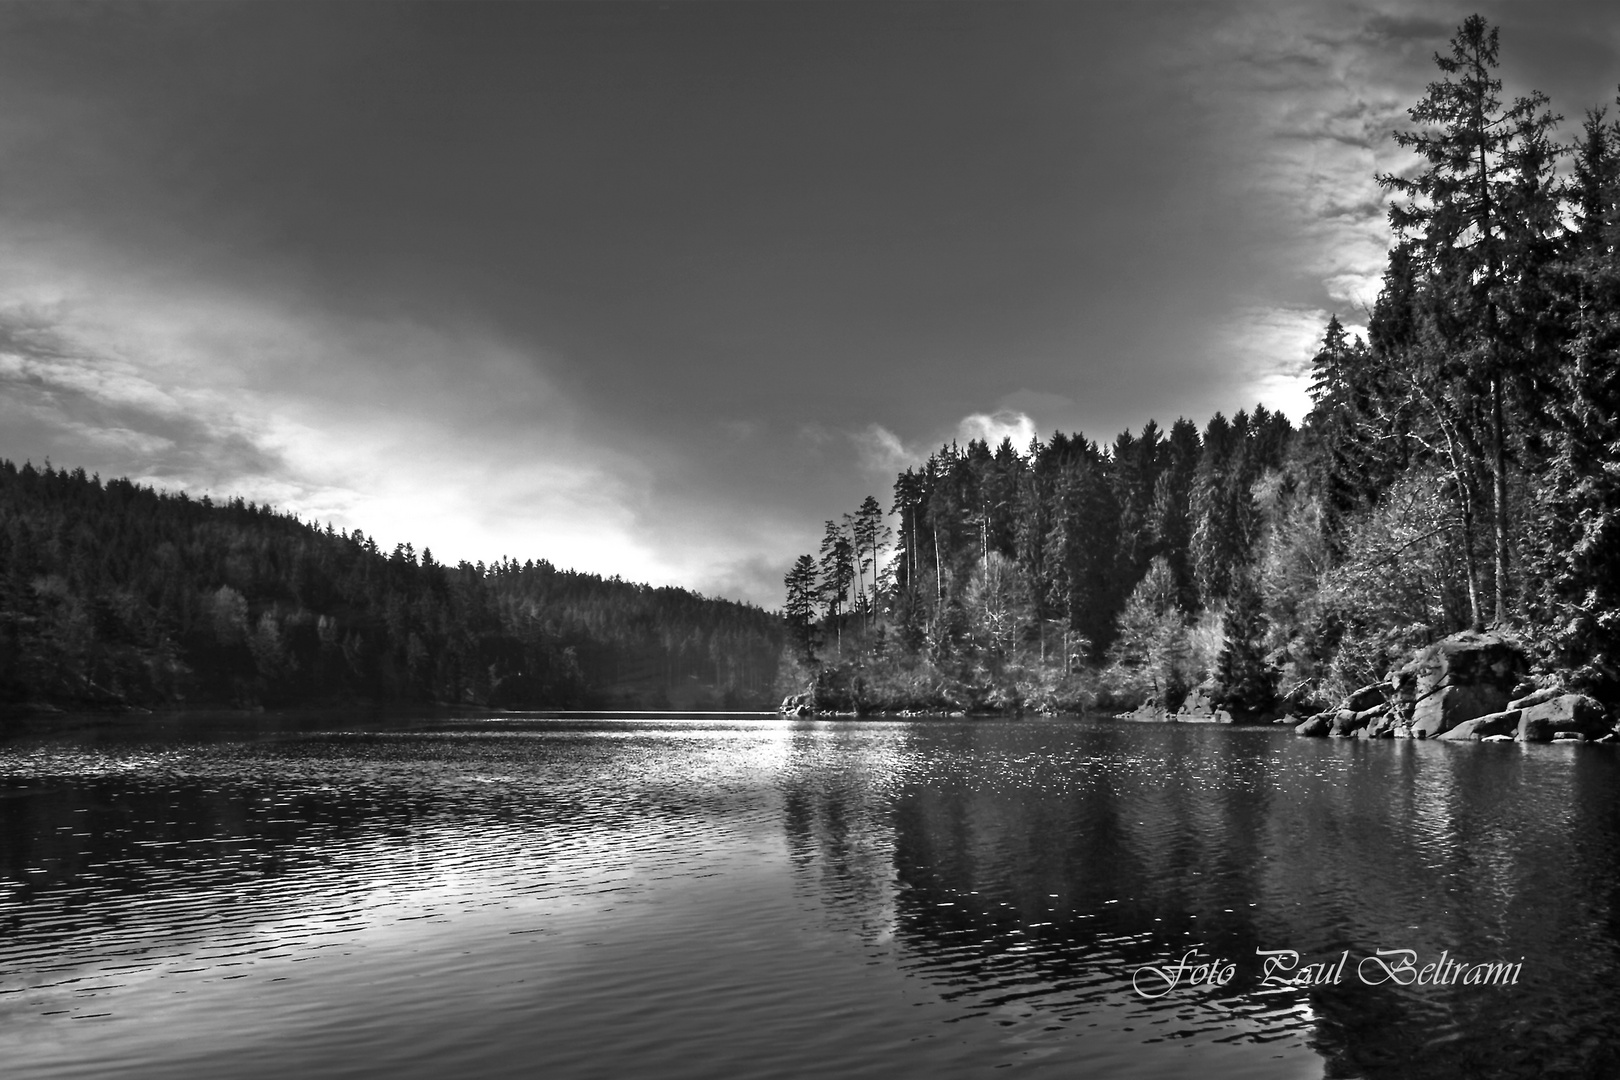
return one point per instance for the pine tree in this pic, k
(800, 608)
(1171, 520)
(837, 575)
(1084, 588)
(871, 535)
(1216, 544)
(1243, 678)
(1472, 216)
(1575, 561)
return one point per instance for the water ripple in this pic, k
(765, 897)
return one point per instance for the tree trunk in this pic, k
(911, 554)
(1499, 493)
(939, 581)
(1476, 618)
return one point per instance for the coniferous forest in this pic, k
(1460, 468)
(117, 595)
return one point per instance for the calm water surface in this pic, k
(752, 897)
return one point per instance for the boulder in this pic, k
(1504, 724)
(1377, 722)
(1346, 723)
(1536, 697)
(1461, 677)
(1370, 696)
(1449, 706)
(1199, 705)
(1565, 713)
(1317, 725)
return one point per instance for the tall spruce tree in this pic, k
(1471, 218)
(837, 575)
(1172, 507)
(871, 535)
(1244, 679)
(1575, 563)
(800, 608)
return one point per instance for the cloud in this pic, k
(1043, 407)
(996, 426)
(757, 577)
(443, 436)
(1383, 29)
(1358, 291)
(70, 396)
(881, 451)
(1307, 99)
(815, 434)
(1277, 345)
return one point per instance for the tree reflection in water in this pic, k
(1028, 870)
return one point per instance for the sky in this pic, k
(655, 289)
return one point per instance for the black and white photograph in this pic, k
(776, 539)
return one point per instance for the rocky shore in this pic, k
(1471, 686)
(806, 705)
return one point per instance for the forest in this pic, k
(1460, 467)
(116, 595)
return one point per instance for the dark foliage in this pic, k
(117, 593)
(1460, 465)
(1244, 680)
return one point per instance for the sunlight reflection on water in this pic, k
(757, 897)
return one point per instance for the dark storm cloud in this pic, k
(1383, 28)
(655, 289)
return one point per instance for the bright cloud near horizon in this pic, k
(654, 290)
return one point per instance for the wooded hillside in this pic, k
(116, 593)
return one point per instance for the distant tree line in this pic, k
(118, 594)
(1460, 467)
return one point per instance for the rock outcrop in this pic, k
(1504, 723)
(1536, 697)
(1566, 714)
(1147, 712)
(1364, 713)
(1317, 725)
(1471, 686)
(798, 705)
(1461, 677)
(1199, 708)
(1368, 697)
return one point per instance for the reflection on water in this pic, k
(766, 898)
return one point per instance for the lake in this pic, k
(746, 896)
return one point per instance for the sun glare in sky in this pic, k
(655, 290)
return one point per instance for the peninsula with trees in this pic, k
(1459, 470)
